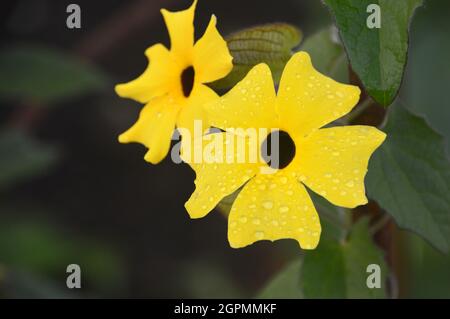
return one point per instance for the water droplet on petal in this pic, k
(350, 184)
(283, 209)
(259, 235)
(267, 204)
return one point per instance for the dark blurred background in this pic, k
(97, 203)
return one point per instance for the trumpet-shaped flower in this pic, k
(172, 87)
(330, 161)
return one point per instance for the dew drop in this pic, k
(283, 209)
(256, 221)
(259, 235)
(243, 219)
(267, 204)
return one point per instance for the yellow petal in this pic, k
(180, 25)
(212, 60)
(307, 100)
(194, 107)
(154, 128)
(333, 162)
(157, 79)
(272, 207)
(218, 178)
(249, 104)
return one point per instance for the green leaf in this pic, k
(327, 54)
(225, 204)
(409, 177)
(428, 71)
(21, 157)
(45, 75)
(286, 284)
(377, 55)
(269, 43)
(339, 270)
(332, 218)
(429, 270)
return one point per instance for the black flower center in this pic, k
(278, 149)
(187, 80)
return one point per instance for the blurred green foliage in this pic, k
(37, 248)
(22, 157)
(45, 75)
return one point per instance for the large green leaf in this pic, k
(428, 72)
(286, 284)
(339, 270)
(22, 157)
(45, 75)
(377, 55)
(409, 176)
(269, 43)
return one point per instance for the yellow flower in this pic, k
(172, 86)
(330, 161)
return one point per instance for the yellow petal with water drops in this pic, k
(333, 162)
(154, 128)
(180, 25)
(212, 60)
(249, 104)
(272, 207)
(224, 168)
(157, 79)
(308, 100)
